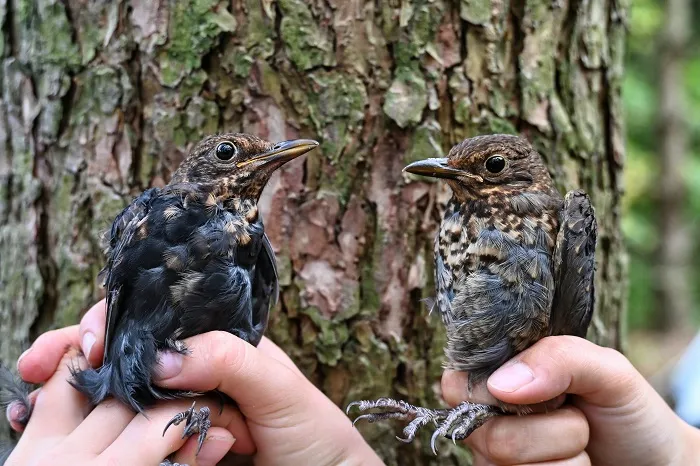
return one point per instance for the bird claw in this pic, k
(436, 434)
(457, 423)
(196, 423)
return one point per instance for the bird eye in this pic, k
(225, 151)
(495, 164)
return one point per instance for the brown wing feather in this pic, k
(574, 267)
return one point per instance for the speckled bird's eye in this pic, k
(496, 164)
(225, 151)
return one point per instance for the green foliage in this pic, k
(641, 100)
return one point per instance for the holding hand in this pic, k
(285, 415)
(616, 417)
(64, 431)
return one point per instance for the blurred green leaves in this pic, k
(640, 93)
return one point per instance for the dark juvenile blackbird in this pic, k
(187, 259)
(514, 263)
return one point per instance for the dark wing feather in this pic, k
(121, 234)
(574, 267)
(265, 287)
(267, 265)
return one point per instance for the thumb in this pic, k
(224, 362)
(566, 364)
(92, 333)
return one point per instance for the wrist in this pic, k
(691, 443)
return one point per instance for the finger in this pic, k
(16, 412)
(269, 394)
(531, 439)
(221, 361)
(218, 442)
(39, 362)
(269, 348)
(454, 391)
(143, 440)
(101, 427)
(59, 408)
(566, 364)
(92, 333)
(581, 459)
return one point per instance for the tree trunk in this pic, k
(673, 268)
(102, 99)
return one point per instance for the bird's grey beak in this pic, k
(283, 152)
(438, 168)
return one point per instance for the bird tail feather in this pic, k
(93, 383)
(128, 375)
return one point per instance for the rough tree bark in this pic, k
(102, 98)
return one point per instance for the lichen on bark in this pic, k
(109, 102)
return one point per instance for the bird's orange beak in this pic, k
(438, 168)
(282, 152)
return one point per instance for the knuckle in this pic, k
(620, 371)
(562, 344)
(578, 429)
(616, 360)
(47, 337)
(502, 445)
(225, 351)
(559, 349)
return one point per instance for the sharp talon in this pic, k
(200, 441)
(350, 406)
(364, 416)
(175, 420)
(454, 435)
(436, 434)
(404, 440)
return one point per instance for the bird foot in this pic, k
(457, 423)
(170, 463)
(195, 423)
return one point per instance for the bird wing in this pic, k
(574, 266)
(120, 235)
(267, 265)
(265, 291)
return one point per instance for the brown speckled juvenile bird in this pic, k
(187, 259)
(514, 263)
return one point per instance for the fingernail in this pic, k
(88, 341)
(15, 411)
(26, 352)
(169, 365)
(511, 377)
(214, 450)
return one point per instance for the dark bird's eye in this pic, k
(225, 151)
(496, 164)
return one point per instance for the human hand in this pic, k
(64, 430)
(615, 416)
(286, 415)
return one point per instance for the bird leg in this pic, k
(457, 423)
(195, 423)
